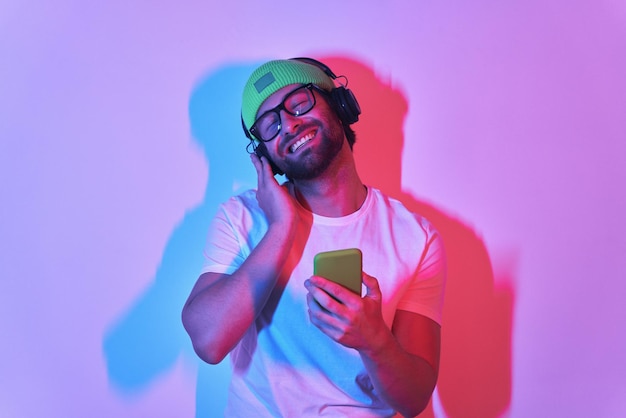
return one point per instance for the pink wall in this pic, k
(501, 121)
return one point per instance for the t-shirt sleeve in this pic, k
(223, 252)
(426, 292)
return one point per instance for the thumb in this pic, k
(373, 289)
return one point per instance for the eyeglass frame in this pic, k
(281, 106)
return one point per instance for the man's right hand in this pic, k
(275, 201)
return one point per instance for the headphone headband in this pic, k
(318, 64)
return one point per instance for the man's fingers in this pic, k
(268, 173)
(256, 162)
(263, 170)
(373, 289)
(328, 292)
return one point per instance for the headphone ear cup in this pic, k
(343, 99)
(346, 104)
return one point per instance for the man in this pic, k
(301, 345)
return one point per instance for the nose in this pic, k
(289, 122)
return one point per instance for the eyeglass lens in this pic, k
(296, 103)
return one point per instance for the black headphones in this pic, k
(342, 101)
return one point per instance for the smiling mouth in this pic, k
(301, 142)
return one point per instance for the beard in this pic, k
(314, 161)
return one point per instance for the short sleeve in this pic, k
(425, 294)
(236, 229)
(223, 252)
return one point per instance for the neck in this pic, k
(338, 192)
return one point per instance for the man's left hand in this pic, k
(344, 316)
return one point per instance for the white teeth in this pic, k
(301, 142)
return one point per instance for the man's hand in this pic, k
(404, 374)
(346, 317)
(273, 198)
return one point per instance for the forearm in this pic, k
(403, 380)
(219, 312)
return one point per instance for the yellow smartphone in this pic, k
(341, 266)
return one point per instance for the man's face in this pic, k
(307, 144)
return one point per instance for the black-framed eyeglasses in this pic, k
(297, 102)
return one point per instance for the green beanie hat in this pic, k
(274, 75)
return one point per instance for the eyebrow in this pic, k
(281, 100)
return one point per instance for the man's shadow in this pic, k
(475, 374)
(148, 339)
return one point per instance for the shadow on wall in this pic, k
(475, 375)
(148, 339)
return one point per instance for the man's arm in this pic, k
(402, 362)
(405, 367)
(222, 307)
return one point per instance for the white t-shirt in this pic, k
(284, 366)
